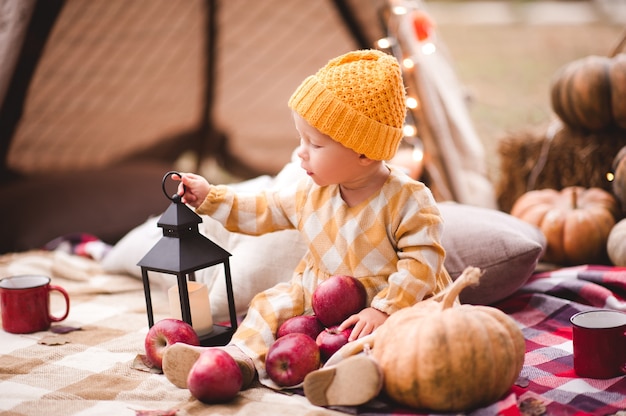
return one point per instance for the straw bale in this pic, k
(538, 159)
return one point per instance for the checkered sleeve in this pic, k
(419, 270)
(253, 213)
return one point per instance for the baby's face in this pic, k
(324, 160)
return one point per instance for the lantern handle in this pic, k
(175, 197)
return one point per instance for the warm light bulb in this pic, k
(409, 130)
(385, 43)
(408, 63)
(429, 48)
(412, 102)
(399, 10)
(418, 154)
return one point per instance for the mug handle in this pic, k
(67, 303)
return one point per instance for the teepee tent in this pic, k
(99, 98)
(456, 165)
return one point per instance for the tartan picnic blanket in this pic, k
(86, 365)
(547, 384)
(543, 308)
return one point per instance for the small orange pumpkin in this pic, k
(443, 356)
(576, 222)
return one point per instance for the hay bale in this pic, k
(539, 159)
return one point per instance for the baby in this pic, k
(359, 216)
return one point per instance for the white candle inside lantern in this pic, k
(201, 319)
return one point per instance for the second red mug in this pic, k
(599, 341)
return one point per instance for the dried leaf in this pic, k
(142, 363)
(171, 412)
(532, 407)
(522, 382)
(63, 329)
(54, 340)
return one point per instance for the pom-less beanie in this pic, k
(358, 100)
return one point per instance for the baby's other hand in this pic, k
(365, 322)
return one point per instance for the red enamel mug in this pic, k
(599, 341)
(25, 303)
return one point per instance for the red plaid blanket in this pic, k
(547, 384)
(543, 308)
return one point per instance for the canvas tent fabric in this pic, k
(116, 79)
(91, 87)
(113, 79)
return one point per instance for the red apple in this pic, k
(337, 298)
(304, 324)
(291, 358)
(215, 377)
(166, 332)
(330, 340)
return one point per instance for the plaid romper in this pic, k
(391, 242)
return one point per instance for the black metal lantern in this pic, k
(181, 252)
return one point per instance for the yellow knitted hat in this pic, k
(358, 100)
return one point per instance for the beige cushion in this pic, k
(504, 247)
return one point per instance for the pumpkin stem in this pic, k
(574, 199)
(469, 277)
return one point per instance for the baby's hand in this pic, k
(193, 188)
(365, 322)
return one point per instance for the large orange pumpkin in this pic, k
(576, 222)
(590, 93)
(443, 356)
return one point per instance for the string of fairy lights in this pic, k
(408, 17)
